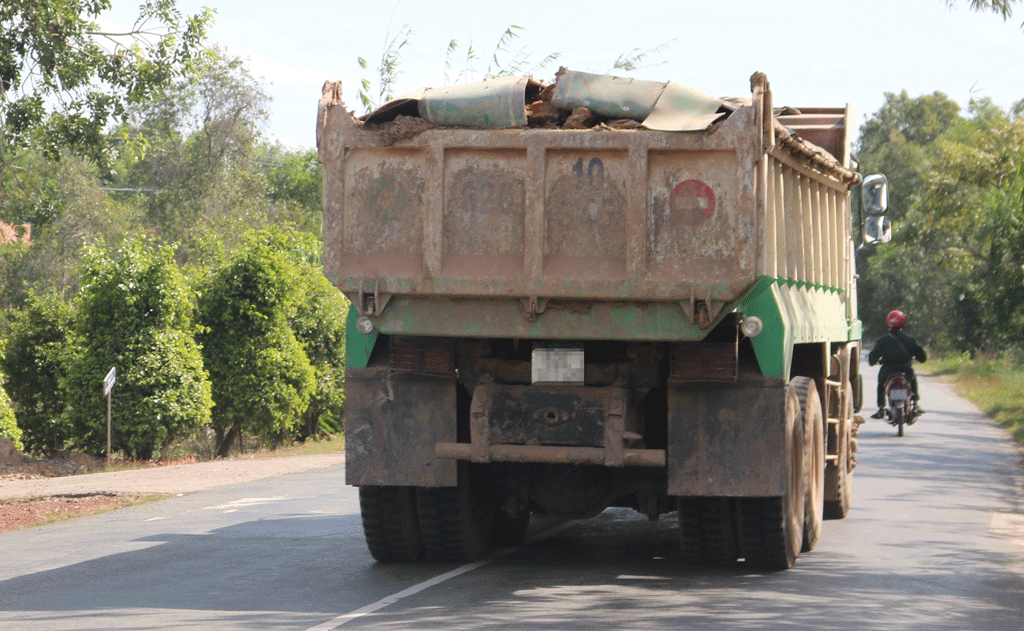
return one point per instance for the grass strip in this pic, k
(996, 386)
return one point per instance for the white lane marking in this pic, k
(437, 580)
(155, 518)
(1008, 525)
(244, 502)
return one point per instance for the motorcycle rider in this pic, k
(895, 350)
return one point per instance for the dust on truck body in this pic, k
(560, 321)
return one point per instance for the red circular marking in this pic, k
(693, 202)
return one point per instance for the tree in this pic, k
(135, 313)
(971, 222)
(1002, 7)
(955, 263)
(319, 325)
(68, 209)
(295, 185)
(203, 187)
(63, 78)
(37, 348)
(900, 140)
(8, 423)
(262, 379)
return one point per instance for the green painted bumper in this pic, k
(792, 314)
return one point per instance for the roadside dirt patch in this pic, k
(35, 492)
(20, 513)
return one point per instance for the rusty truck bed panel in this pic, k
(589, 214)
(687, 220)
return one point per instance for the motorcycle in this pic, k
(900, 407)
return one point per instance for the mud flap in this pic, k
(392, 422)
(727, 440)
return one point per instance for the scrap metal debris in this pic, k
(576, 100)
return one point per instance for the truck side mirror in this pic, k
(875, 194)
(877, 229)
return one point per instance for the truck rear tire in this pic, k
(509, 531)
(455, 522)
(771, 528)
(814, 460)
(839, 474)
(707, 531)
(390, 523)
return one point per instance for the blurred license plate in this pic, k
(898, 395)
(558, 366)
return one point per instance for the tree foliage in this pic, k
(1002, 7)
(8, 423)
(137, 159)
(319, 325)
(135, 313)
(295, 185)
(199, 180)
(37, 347)
(63, 77)
(262, 378)
(68, 209)
(898, 140)
(957, 260)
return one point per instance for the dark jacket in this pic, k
(896, 349)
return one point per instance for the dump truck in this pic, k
(601, 292)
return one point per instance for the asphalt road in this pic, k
(935, 540)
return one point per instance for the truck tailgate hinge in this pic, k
(371, 301)
(701, 311)
(532, 306)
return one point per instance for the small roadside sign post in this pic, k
(108, 385)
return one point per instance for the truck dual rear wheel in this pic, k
(390, 523)
(509, 530)
(455, 522)
(771, 528)
(707, 530)
(838, 474)
(814, 460)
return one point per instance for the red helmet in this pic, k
(896, 319)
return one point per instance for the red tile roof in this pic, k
(18, 232)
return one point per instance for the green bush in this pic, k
(8, 424)
(319, 325)
(262, 379)
(34, 359)
(135, 313)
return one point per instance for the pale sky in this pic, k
(823, 53)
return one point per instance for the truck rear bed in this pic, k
(489, 228)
